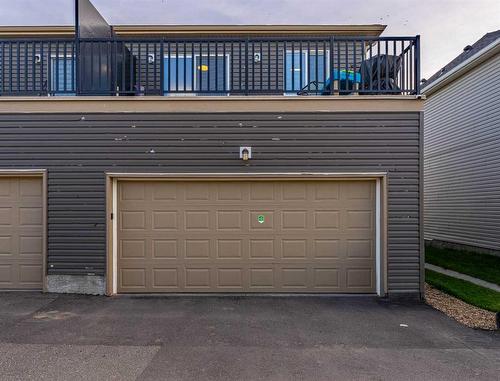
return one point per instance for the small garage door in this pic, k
(246, 236)
(21, 233)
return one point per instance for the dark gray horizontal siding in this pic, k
(78, 149)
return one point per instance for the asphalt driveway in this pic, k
(49, 337)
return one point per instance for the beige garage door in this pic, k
(21, 229)
(242, 236)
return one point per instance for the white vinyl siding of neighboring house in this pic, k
(462, 159)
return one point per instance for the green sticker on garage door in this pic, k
(261, 218)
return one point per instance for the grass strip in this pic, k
(482, 266)
(468, 292)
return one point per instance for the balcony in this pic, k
(216, 67)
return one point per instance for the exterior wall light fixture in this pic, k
(245, 153)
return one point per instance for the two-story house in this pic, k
(210, 159)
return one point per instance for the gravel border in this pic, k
(471, 316)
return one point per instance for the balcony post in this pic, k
(162, 67)
(333, 84)
(247, 42)
(77, 49)
(417, 65)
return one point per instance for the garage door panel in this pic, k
(6, 245)
(6, 275)
(263, 191)
(262, 219)
(30, 188)
(30, 245)
(230, 249)
(164, 191)
(294, 192)
(197, 192)
(359, 219)
(358, 191)
(5, 189)
(21, 239)
(133, 278)
(166, 278)
(242, 236)
(197, 249)
(262, 248)
(294, 219)
(196, 220)
(30, 274)
(134, 191)
(165, 220)
(326, 191)
(326, 219)
(132, 248)
(165, 249)
(229, 220)
(132, 220)
(292, 277)
(327, 278)
(294, 249)
(230, 278)
(230, 192)
(6, 216)
(327, 249)
(262, 278)
(244, 249)
(359, 277)
(360, 248)
(198, 278)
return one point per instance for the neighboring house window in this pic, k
(63, 76)
(203, 74)
(306, 67)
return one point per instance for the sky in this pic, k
(445, 26)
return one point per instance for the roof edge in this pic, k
(141, 30)
(463, 68)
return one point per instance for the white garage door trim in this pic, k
(380, 179)
(42, 174)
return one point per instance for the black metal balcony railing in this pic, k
(289, 66)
